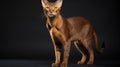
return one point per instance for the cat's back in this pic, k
(78, 20)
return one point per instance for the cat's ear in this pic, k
(44, 3)
(59, 3)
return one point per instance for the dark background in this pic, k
(24, 34)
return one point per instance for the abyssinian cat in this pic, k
(63, 31)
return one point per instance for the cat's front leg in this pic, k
(57, 48)
(57, 57)
(56, 63)
(66, 54)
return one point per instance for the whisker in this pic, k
(62, 15)
(42, 16)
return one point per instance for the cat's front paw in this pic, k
(90, 62)
(63, 64)
(55, 64)
(79, 62)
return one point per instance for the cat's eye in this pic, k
(55, 8)
(47, 8)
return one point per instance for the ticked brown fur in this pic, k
(63, 31)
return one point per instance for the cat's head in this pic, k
(51, 9)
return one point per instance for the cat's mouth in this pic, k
(51, 15)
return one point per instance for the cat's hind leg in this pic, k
(91, 53)
(82, 50)
(88, 45)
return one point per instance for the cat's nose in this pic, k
(51, 15)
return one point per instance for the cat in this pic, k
(63, 31)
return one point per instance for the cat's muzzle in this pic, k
(51, 15)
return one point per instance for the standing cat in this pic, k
(64, 31)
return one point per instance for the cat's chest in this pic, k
(58, 33)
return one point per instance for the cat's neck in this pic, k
(56, 21)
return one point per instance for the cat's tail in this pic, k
(98, 50)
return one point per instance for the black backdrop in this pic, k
(24, 34)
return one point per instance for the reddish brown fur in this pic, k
(64, 31)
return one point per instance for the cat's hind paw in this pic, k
(63, 64)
